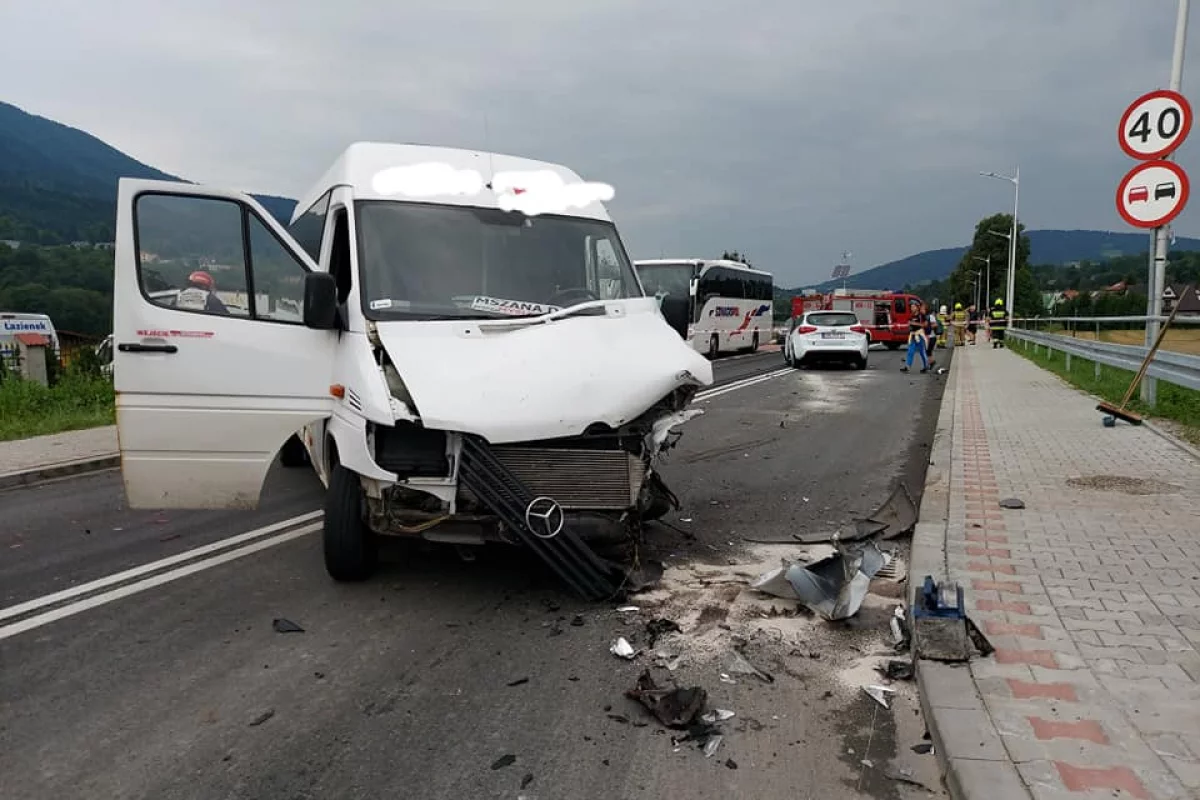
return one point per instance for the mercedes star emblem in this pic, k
(544, 517)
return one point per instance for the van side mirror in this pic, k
(320, 301)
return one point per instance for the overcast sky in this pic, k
(789, 130)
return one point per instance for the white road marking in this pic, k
(120, 577)
(742, 384)
(149, 583)
(202, 564)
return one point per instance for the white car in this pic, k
(826, 336)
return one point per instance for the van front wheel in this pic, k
(351, 549)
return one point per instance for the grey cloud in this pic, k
(789, 130)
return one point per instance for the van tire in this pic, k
(351, 549)
(893, 345)
(293, 453)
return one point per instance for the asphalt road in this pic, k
(400, 687)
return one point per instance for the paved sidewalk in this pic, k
(1091, 594)
(22, 455)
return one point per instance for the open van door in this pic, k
(209, 390)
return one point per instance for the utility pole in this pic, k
(1158, 262)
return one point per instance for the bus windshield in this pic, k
(667, 280)
(424, 261)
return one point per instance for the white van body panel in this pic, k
(532, 380)
(199, 427)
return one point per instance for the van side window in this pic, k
(309, 229)
(608, 270)
(215, 256)
(339, 255)
(193, 246)
(277, 276)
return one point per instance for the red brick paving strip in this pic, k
(1083, 779)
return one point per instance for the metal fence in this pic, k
(1180, 369)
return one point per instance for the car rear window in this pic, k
(832, 319)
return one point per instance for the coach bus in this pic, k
(718, 306)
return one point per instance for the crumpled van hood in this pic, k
(542, 380)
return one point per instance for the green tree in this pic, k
(1027, 298)
(990, 247)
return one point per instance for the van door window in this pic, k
(193, 246)
(196, 246)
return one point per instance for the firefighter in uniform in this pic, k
(998, 323)
(200, 295)
(959, 321)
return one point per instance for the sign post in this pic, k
(1150, 130)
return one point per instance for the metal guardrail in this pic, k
(1176, 368)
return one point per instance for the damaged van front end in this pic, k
(547, 436)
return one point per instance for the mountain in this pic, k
(59, 184)
(1046, 247)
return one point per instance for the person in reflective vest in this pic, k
(998, 323)
(200, 295)
(959, 320)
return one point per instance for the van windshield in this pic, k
(422, 261)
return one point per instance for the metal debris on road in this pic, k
(504, 761)
(740, 665)
(1012, 502)
(730, 763)
(900, 633)
(717, 715)
(627, 609)
(712, 745)
(833, 587)
(673, 707)
(518, 682)
(286, 626)
(879, 694)
(621, 648)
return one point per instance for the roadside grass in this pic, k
(1178, 340)
(1175, 403)
(77, 400)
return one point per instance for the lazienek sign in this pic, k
(19, 327)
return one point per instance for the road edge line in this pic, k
(62, 469)
(940, 695)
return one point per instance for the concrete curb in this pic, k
(62, 469)
(969, 748)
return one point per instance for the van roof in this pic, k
(359, 163)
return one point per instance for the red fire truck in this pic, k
(883, 313)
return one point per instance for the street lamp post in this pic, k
(987, 260)
(1015, 180)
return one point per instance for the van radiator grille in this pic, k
(577, 479)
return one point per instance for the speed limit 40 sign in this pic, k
(1154, 125)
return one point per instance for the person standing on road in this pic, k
(916, 339)
(959, 323)
(998, 324)
(930, 330)
(972, 323)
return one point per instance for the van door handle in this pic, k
(138, 347)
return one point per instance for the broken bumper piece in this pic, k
(833, 587)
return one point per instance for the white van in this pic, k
(16, 322)
(462, 372)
